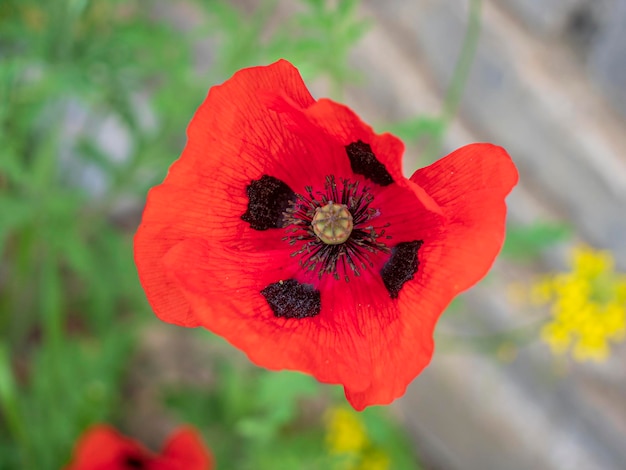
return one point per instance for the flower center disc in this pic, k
(332, 223)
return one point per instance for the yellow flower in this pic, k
(375, 459)
(347, 439)
(345, 433)
(588, 305)
(587, 262)
(541, 292)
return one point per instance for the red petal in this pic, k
(232, 140)
(184, 450)
(339, 124)
(470, 186)
(346, 127)
(224, 289)
(194, 253)
(103, 448)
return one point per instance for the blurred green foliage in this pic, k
(316, 38)
(252, 418)
(525, 243)
(274, 420)
(95, 96)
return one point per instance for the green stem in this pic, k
(51, 303)
(463, 66)
(461, 72)
(10, 407)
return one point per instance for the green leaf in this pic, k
(14, 213)
(72, 387)
(279, 394)
(417, 128)
(276, 388)
(388, 436)
(523, 243)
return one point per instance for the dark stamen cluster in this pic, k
(354, 253)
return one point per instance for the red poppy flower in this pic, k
(288, 228)
(103, 448)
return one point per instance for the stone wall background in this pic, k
(548, 83)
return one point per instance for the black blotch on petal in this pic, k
(401, 266)
(133, 462)
(291, 299)
(268, 198)
(364, 162)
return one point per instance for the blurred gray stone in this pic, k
(595, 29)
(513, 97)
(607, 59)
(544, 17)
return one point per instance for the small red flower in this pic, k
(288, 228)
(103, 448)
